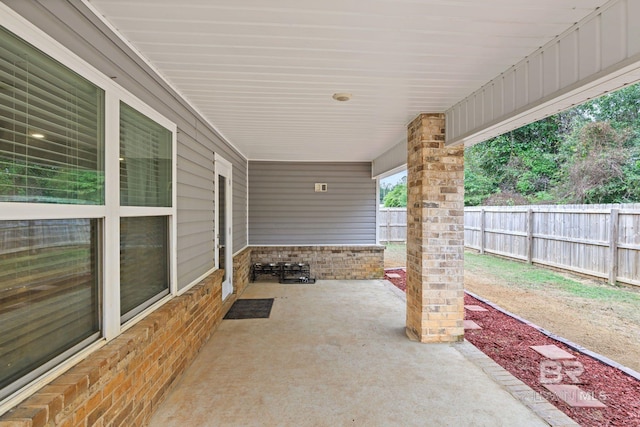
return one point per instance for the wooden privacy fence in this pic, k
(596, 240)
(31, 235)
(392, 224)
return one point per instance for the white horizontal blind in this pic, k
(145, 181)
(51, 129)
(144, 264)
(48, 292)
(145, 160)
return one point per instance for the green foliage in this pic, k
(620, 108)
(589, 154)
(477, 186)
(397, 197)
(43, 183)
(385, 188)
(523, 161)
(78, 184)
(594, 172)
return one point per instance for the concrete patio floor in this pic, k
(335, 353)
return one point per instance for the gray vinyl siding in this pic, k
(284, 209)
(75, 27)
(195, 211)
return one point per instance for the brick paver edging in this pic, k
(525, 394)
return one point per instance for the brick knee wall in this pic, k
(241, 270)
(122, 383)
(328, 262)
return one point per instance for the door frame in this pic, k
(223, 167)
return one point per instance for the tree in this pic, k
(620, 108)
(594, 171)
(397, 198)
(478, 186)
(589, 154)
(523, 161)
(385, 188)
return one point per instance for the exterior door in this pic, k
(224, 225)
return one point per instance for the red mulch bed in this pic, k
(507, 341)
(400, 283)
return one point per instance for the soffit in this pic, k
(263, 72)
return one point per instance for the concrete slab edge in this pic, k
(565, 341)
(518, 389)
(394, 290)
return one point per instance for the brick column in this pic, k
(435, 233)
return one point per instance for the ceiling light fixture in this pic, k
(341, 96)
(37, 135)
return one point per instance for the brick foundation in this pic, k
(328, 262)
(241, 270)
(435, 233)
(122, 383)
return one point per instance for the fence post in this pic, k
(530, 236)
(482, 231)
(388, 225)
(613, 246)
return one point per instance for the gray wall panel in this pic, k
(72, 24)
(240, 238)
(195, 196)
(284, 209)
(391, 159)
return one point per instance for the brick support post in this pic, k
(435, 233)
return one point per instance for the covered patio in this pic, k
(335, 353)
(207, 136)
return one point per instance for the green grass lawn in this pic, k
(529, 276)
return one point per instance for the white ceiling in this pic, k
(263, 71)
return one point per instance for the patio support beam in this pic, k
(435, 233)
(599, 54)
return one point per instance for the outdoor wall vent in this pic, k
(321, 188)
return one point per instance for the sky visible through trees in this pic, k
(588, 154)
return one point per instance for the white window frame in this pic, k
(109, 214)
(141, 211)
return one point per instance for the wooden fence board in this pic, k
(393, 225)
(579, 238)
(598, 240)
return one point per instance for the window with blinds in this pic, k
(49, 293)
(144, 263)
(145, 181)
(51, 129)
(52, 150)
(145, 160)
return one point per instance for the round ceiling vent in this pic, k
(342, 97)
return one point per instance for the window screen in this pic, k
(48, 292)
(145, 160)
(144, 262)
(51, 129)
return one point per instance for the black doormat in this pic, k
(250, 309)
